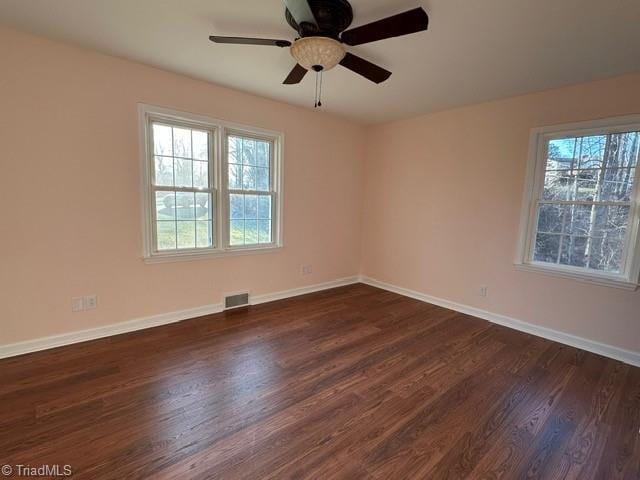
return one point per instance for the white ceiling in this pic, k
(474, 50)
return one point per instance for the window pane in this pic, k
(164, 171)
(184, 169)
(182, 142)
(186, 234)
(623, 150)
(262, 179)
(248, 151)
(587, 185)
(264, 231)
(249, 178)
(234, 150)
(264, 206)
(165, 205)
(162, 143)
(235, 176)
(583, 219)
(263, 154)
(617, 221)
(251, 206)
(559, 185)
(250, 231)
(590, 151)
(204, 235)
(236, 206)
(618, 185)
(561, 154)
(606, 254)
(236, 232)
(185, 206)
(575, 251)
(200, 174)
(166, 235)
(547, 248)
(200, 145)
(551, 218)
(203, 206)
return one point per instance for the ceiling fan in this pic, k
(322, 29)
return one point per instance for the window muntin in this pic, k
(249, 190)
(583, 209)
(187, 200)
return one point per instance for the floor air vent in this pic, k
(236, 301)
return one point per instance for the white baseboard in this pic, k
(294, 292)
(626, 356)
(29, 346)
(45, 343)
(14, 349)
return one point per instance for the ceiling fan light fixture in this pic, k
(318, 53)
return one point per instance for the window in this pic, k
(580, 215)
(249, 191)
(182, 187)
(210, 188)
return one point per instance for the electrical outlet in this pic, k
(77, 304)
(484, 291)
(90, 302)
(307, 270)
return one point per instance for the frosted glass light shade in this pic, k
(323, 51)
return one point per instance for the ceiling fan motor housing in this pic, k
(332, 18)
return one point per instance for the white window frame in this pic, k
(534, 184)
(219, 130)
(274, 181)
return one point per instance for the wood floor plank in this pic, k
(353, 382)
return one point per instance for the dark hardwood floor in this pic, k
(349, 383)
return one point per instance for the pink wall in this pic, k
(442, 195)
(442, 208)
(70, 200)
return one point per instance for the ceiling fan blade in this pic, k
(415, 20)
(250, 41)
(367, 69)
(301, 11)
(296, 75)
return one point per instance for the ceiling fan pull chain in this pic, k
(315, 98)
(320, 92)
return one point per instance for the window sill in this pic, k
(602, 280)
(193, 256)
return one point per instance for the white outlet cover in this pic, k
(77, 304)
(90, 302)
